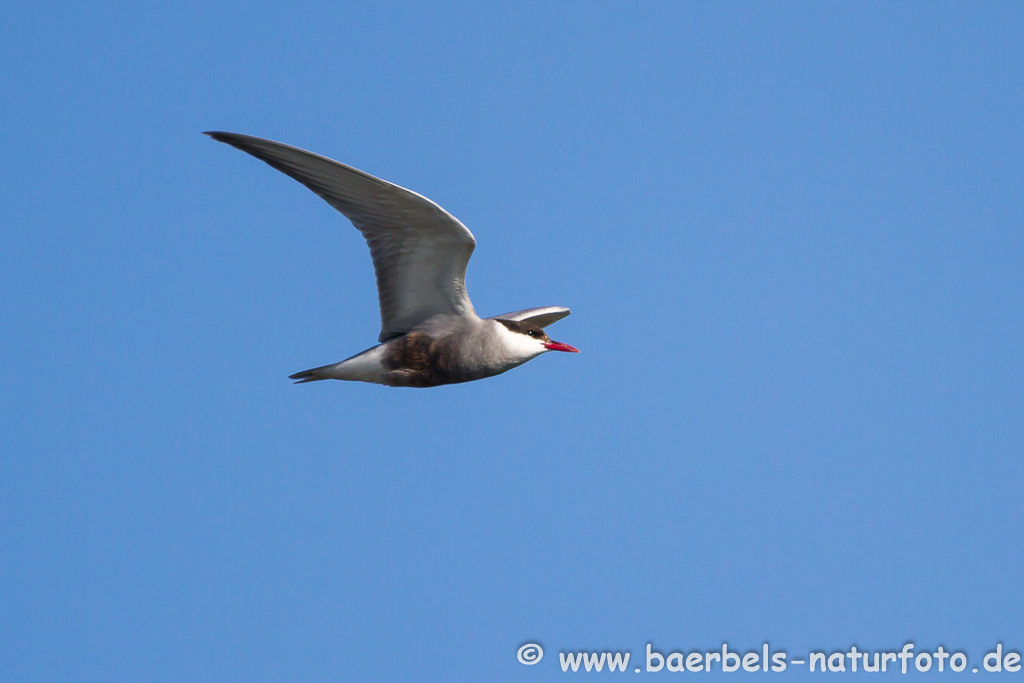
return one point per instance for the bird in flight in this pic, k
(430, 334)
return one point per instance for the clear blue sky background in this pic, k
(791, 237)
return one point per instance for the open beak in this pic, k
(559, 346)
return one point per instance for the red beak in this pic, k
(559, 346)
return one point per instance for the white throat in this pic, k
(518, 348)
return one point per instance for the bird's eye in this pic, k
(532, 333)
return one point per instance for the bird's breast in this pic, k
(418, 359)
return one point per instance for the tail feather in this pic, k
(312, 375)
(362, 367)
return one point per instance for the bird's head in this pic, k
(529, 341)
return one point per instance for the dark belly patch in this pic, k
(417, 360)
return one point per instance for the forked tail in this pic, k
(312, 375)
(362, 367)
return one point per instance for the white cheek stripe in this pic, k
(519, 346)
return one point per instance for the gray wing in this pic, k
(419, 250)
(541, 317)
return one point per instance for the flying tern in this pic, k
(430, 334)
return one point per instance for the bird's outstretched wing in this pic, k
(541, 317)
(419, 250)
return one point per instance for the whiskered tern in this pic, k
(430, 334)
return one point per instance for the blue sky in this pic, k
(791, 237)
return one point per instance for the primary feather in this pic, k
(419, 250)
